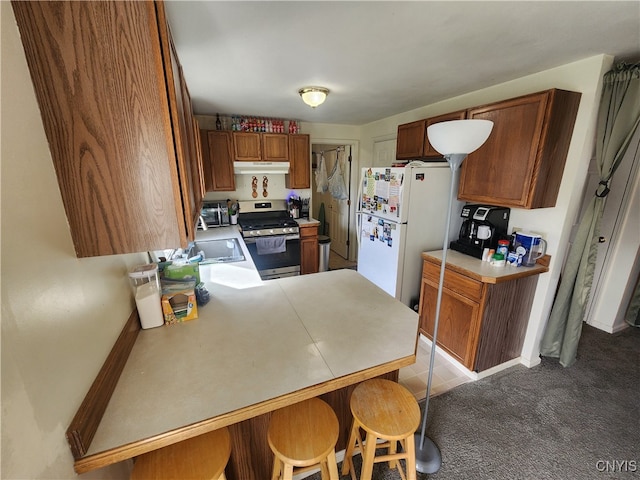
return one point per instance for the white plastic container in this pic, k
(145, 284)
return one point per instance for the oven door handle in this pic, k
(287, 238)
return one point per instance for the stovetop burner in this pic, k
(266, 218)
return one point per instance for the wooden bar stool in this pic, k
(203, 458)
(303, 436)
(386, 411)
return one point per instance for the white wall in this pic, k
(60, 315)
(584, 76)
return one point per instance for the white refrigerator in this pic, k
(402, 212)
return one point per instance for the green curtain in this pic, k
(618, 118)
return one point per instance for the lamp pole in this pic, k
(428, 457)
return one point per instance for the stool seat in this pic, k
(384, 410)
(203, 458)
(304, 436)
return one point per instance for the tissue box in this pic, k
(179, 305)
(182, 272)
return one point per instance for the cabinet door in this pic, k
(459, 323)
(309, 249)
(220, 161)
(411, 140)
(275, 147)
(500, 172)
(108, 121)
(429, 151)
(182, 122)
(522, 162)
(247, 146)
(300, 162)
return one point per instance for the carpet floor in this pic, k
(545, 422)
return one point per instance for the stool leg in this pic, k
(332, 464)
(347, 463)
(287, 473)
(277, 465)
(393, 448)
(368, 456)
(410, 449)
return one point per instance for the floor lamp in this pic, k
(455, 140)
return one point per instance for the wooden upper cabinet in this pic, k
(429, 151)
(218, 160)
(247, 146)
(522, 162)
(299, 162)
(275, 147)
(411, 140)
(413, 143)
(118, 122)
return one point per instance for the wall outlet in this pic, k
(516, 229)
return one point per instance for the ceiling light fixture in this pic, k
(313, 96)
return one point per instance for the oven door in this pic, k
(276, 265)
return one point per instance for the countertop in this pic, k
(483, 271)
(256, 346)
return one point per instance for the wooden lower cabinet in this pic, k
(309, 249)
(481, 324)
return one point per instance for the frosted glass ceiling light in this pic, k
(313, 96)
(455, 140)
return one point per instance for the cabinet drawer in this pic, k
(308, 231)
(454, 281)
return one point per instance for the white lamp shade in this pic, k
(313, 96)
(459, 136)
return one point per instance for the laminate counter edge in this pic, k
(102, 459)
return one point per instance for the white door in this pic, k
(384, 153)
(381, 252)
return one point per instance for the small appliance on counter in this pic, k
(214, 214)
(482, 227)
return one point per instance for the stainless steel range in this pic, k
(272, 237)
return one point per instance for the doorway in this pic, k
(338, 158)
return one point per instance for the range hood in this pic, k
(260, 168)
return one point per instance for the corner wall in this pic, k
(60, 315)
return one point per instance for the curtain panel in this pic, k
(618, 119)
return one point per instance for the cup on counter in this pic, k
(233, 219)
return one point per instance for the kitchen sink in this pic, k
(225, 250)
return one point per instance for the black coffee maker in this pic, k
(482, 227)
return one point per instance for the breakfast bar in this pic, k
(256, 346)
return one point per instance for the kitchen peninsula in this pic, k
(256, 346)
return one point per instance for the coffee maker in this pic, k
(482, 227)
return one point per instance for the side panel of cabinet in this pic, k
(106, 118)
(410, 140)
(275, 147)
(300, 162)
(429, 151)
(247, 146)
(220, 161)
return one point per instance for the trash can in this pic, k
(324, 244)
